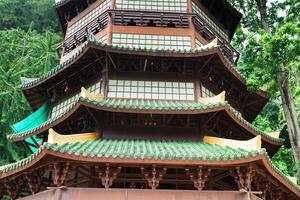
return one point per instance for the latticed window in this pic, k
(152, 41)
(153, 5)
(151, 90)
(66, 104)
(95, 88)
(88, 18)
(206, 92)
(204, 16)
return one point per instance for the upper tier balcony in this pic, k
(208, 32)
(201, 22)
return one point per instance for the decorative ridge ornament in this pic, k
(249, 145)
(274, 134)
(57, 138)
(92, 96)
(211, 44)
(292, 179)
(216, 99)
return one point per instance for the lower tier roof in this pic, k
(147, 106)
(146, 152)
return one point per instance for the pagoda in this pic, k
(146, 103)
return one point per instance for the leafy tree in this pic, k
(23, 53)
(270, 56)
(23, 13)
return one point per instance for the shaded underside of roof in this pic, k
(147, 106)
(146, 151)
(35, 91)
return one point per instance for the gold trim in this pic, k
(92, 96)
(253, 144)
(57, 138)
(216, 99)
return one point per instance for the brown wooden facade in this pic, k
(187, 46)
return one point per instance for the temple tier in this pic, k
(145, 103)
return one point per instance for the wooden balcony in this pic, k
(207, 31)
(148, 18)
(79, 37)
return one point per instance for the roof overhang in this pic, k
(36, 91)
(48, 154)
(120, 106)
(224, 13)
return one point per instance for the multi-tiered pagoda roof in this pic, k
(146, 96)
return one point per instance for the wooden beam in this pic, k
(145, 64)
(112, 62)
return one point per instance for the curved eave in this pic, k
(47, 151)
(59, 9)
(111, 106)
(260, 97)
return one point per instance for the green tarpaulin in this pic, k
(32, 121)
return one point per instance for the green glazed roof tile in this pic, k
(146, 149)
(153, 105)
(94, 42)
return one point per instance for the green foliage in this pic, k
(23, 53)
(261, 56)
(283, 160)
(266, 52)
(23, 13)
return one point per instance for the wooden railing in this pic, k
(208, 33)
(149, 18)
(79, 37)
(145, 18)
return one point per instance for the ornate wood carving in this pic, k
(153, 176)
(14, 187)
(60, 172)
(199, 176)
(243, 176)
(278, 194)
(107, 174)
(34, 180)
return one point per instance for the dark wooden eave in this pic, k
(61, 8)
(224, 13)
(48, 157)
(36, 94)
(225, 118)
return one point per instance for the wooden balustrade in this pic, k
(152, 19)
(79, 37)
(208, 33)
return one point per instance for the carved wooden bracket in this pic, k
(34, 180)
(198, 176)
(264, 186)
(153, 175)
(107, 174)
(60, 173)
(278, 194)
(243, 177)
(13, 187)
